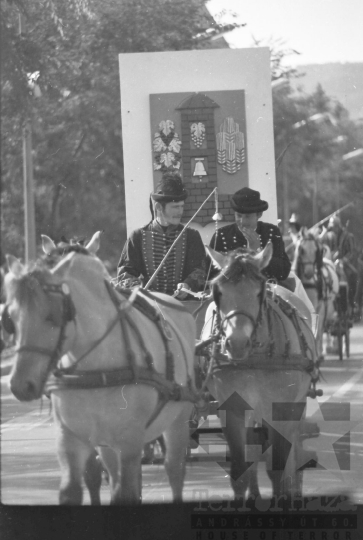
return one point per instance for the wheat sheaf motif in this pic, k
(230, 146)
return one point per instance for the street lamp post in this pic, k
(350, 155)
(340, 139)
(28, 183)
(285, 196)
(338, 187)
(315, 197)
(354, 154)
(318, 118)
(277, 85)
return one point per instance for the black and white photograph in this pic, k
(181, 270)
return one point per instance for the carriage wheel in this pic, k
(340, 339)
(347, 339)
(299, 473)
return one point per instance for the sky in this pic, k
(322, 31)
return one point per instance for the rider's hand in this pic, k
(182, 295)
(253, 239)
(130, 283)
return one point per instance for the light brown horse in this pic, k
(319, 278)
(262, 379)
(122, 374)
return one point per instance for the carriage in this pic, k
(257, 358)
(339, 326)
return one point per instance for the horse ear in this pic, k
(218, 259)
(47, 244)
(263, 258)
(14, 265)
(94, 244)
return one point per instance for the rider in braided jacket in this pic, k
(144, 250)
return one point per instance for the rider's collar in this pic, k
(164, 230)
(257, 229)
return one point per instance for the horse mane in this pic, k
(72, 241)
(24, 288)
(61, 250)
(306, 234)
(239, 264)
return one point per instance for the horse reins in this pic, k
(223, 321)
(301, 264)
(68, 315)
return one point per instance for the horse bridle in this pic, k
(300, 263)
(222, 321)
(68, 315)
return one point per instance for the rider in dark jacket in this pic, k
(248, 230)
(146, 247)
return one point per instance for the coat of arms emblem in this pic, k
(230, 146)
(197, 130)
(166, 144)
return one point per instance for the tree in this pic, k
(312, 132)
(77, 139)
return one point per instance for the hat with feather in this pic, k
(169, 189)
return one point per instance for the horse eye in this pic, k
(50, 319)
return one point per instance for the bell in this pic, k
(217, 217)
(199, 168)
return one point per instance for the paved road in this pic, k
(29, 468)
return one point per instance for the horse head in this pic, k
(238, 292)
(38, 309)
(49, 310)
(92, 246)
(308, 256)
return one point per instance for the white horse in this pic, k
(120, 372)
(319, 278)
(263, 379)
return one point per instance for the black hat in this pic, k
(293, 221)
(170, 189)
(248, 201)
(335, 220)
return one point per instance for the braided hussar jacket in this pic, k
(145, 249)
(230, 238)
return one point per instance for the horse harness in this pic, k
(317, 264)
(68, 315)
(68, 378)
(221, 322)
(271, 304)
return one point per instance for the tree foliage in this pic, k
(76, 123)
(312, 133)
(70, 51)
